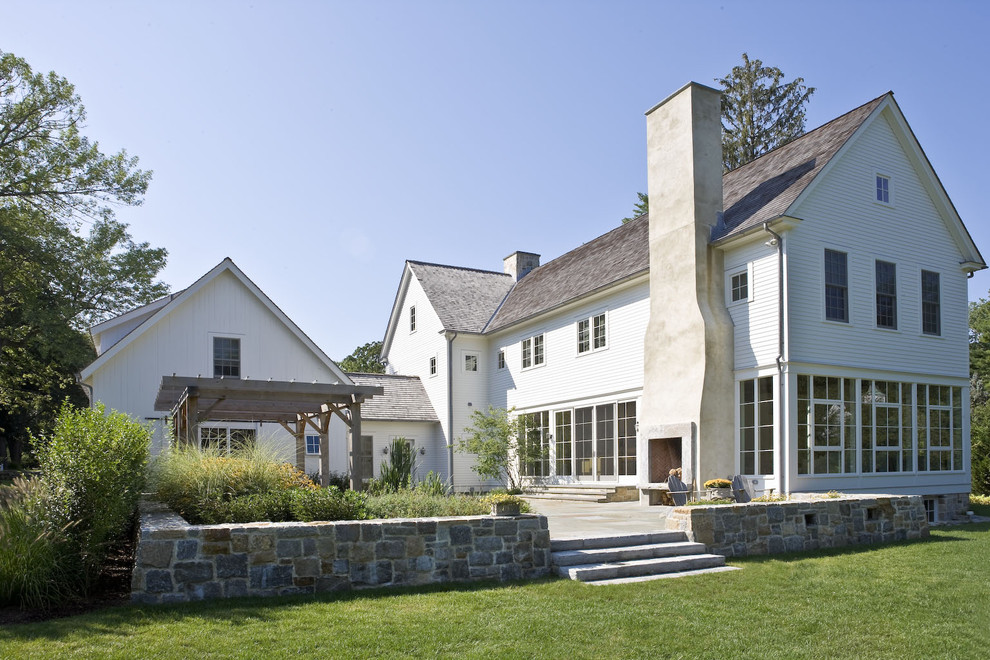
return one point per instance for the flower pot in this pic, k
(505, 508)
(720, 493)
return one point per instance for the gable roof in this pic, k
(603, 262)
(765, 188)
(463, 298)
(225, 266)
(404, 400)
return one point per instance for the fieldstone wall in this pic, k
(761, 528)
(178, 562)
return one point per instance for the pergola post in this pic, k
(354, 446)
(300, 436)
(325, 448)
(192, 416)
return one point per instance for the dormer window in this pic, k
(883, 189)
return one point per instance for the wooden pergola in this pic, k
(295, 405)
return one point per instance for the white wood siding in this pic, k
(841, 214)
(566, 375)
(756, 320)
(409, 354)
(181, 343)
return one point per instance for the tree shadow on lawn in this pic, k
(943, 534)
(117, 621)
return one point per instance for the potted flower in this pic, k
(504, 504)
(719, 489)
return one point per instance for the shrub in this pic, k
(341, 480)
(433, 484)
(93, 472)
(195, 482)
(35, 558)
(397, 472)
(272, 506)
(414, 504)
(327, 504)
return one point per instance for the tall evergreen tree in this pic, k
(760, 111)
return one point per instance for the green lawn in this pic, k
(928, 599)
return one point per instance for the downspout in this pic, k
(778, 241)
(450, 336)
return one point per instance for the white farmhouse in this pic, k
(801, 321)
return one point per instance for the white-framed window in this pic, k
(836, 286)
(500, 360)
(433, 365)
(226, 357)
(470, 362)
(412, 318)
(226, 438)
(931, 303)
(884, 193)
(313, 445)
(739, 286)
(886, 412)
(826, 425)
(533, 351)
(886, 283)
(592, 334)
(756, 426)
(940, 428)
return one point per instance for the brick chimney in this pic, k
(686, 412)
(518, 264)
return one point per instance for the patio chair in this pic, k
(678, 490)
(739, 491)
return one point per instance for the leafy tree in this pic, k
(641, 207)
(760, 112)
(979, 419)
(365, 359)
(493, 438)
(56, 278)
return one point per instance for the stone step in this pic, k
(664, 576)
(573, 490)
(626, 553)
(617, 541)
(639, 567)
(566, 497)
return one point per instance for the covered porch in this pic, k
(295, 406)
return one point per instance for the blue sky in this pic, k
(320, 144)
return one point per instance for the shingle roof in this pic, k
(602, 262)
(766, 187)
(464, 298)
(404, 399)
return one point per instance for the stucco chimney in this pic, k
(518, 264)
(688, 357)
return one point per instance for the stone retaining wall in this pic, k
(761, 528)
(177, 562)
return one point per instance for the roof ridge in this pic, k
(808, 133)
(468, 268)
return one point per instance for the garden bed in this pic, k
(178, 562)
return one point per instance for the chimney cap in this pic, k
(682, 88)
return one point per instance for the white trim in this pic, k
(465, 354)
(877, 174)
(591, 333)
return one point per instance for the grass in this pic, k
(918, 599)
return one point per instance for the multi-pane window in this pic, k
(226, 357)
(533, 436)
(225, 439)
(939, 428)
(412, 318)
(533, 351)
(931, 303)
(826, 425)
(627, 437)
(605, 439)
(886, 274)
(584, 438)
(836, 286)
(883, 189)
(312, 444)
(886, 411)
(591, 334)
(756, 426)
(501, 359)
(562, 440)
(433, 365)
(470, 362)
(740, 286)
